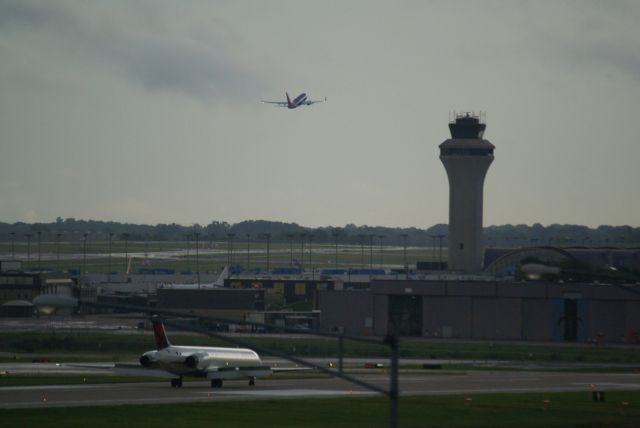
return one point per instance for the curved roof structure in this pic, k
(506, 264)
(17, 303)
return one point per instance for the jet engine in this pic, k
(147, 360)
(197, 360)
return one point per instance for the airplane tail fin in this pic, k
(289, 103)
(159, 334)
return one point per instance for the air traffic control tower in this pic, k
(466, 157)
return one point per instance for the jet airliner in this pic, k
(213, 363)
(300, 100)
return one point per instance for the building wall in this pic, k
(537, 323)
(350, 312)
(496, 318)
(447, 317)
(380, 314)
(19, 286)
(608, 318)
(632, 323)
(211, 299)
(493, 311)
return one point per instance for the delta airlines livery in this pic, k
(300, 100)
(212, 363)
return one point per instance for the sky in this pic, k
(150, 112)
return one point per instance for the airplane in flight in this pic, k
(300, 100)
(213, 363)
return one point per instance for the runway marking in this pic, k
(105, 402)
(593, 385)
(494, 390)
(62, 387)
(295, 393)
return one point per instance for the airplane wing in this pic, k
(237, 372)
(136, 370)
(290, 369)
(309, 102)
(277, 103)
(124, 369)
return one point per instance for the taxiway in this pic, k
(411, 383)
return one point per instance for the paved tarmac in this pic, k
(416, 382)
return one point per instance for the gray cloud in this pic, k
(599, 34)
(16, 14)
(202, 69)
(180, 66)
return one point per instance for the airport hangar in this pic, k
(488, 310)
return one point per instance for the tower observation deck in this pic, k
(466, 157)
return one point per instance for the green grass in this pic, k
(496, 410)
(101, 347)
(322, 255)
(104, 346)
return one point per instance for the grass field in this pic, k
(621, 409)
(211, 257)
(104, 346)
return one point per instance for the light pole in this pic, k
(404, 244)
(230, 250)
(381, 237)
(433, 244)
(248, 250)
(371, 251)
(440, 250)
(196, 234)
(126, 252)
(361, 237)
(58, 235)
(109, 259)
(302, 235)
(335, 237)
(146, 249)
(313, 277)
(290, 236)
(188, 236)
(39, 233)
(84, 258)
(268, 238)
(28, 236)
(13, 250)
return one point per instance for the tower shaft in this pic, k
(466, 158)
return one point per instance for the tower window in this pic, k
(462, 246)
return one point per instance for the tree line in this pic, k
(508, 235)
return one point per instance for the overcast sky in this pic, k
(150, 112)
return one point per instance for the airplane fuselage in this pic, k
(298, 101)
(214, 363)
(200, 361)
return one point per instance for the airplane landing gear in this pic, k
(216, 383)
(176, 383)
(252, 381)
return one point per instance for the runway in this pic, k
(411, 383)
